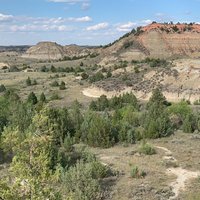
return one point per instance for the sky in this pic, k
(86, 22)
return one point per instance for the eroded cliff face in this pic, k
(166, 45)
(157, 41)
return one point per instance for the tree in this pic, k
(93, 106)
(84, 76)
(157, 98)
(32, 99)
(22, 114)
(157, 122)
(80, 183)
(53, 69)
(103, 103)
(2, 88)
(28, 81)
(44, 69)
(30, 167)
(54, 84)
(96, 131)
(62, 86)
(188, 124)
(76, 116)
(34, 82)
(109, 74)
(43, 98)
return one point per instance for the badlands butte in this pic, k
(163, 55)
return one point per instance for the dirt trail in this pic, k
(183, 175)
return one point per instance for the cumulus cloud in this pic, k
(126, 27)
(58, 20)
(5, 18)
(36, 28)
(81, 19)
(97, 27)
(146, 22)
(10, 23)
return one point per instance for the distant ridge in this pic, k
(156, 40)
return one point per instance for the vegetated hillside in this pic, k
(156, 41)
(54, 51)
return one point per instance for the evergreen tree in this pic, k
(93, 106)
(28, 81)
(188, 124)
(32, 98)
(157, 122)
(62, 86)
(43, 98)
(34, 82)
(2, 88)
(76, 116)
(53, 69)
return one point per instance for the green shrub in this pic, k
(96, 77)
(14, 69)
(96, 130)
(181, 110)
(188, 124)
(55, 96)
(43, 98)
(32, 98)
(127, 44)
(28, 81)
(34, 82)
(136, 173)
(147, 149)
(44, 69)
(62, 86)
(80, 183)
(54, 84)
(84, 76)
(197, 102)
(2, 88)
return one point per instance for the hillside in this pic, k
(54, 51)
(46, 51)
(156, 41)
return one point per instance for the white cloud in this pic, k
(146, 22)
(38, 28)
(5, 18)
(81, 19)
(97, 27)
(126, 27)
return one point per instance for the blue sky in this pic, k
(85, 22)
